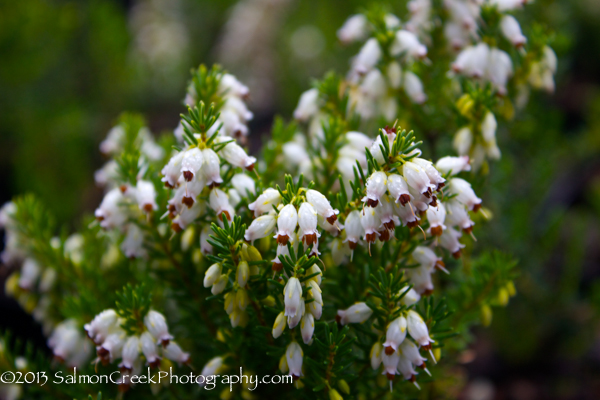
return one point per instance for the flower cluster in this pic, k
(150, 345)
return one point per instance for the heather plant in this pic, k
(343, 255)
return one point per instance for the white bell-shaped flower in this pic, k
(354, 29)
(376, 187)
(292, 297)
(395, 335)
(156, 324)
(356, 314)
(294, 356)
(307, 327)
(286, 224)
(265, 202)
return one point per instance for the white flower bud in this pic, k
(204, 236)
(265, 202)
(242, 273)
(358, 141)
(453, 165)
(370, 223)
(420, 278)
(111, 346)
(112, 143)
(472, 61)
(292, 297)
(286, 224)
(436, 217)
(230, 85)
(406, 368)
(174, 353)
(390, 364)
(321, 205)
(279, 325)
(394, 74)
(417, 178)
(354, 229)
(410, 298)
(211, 168)
(146, 196)
(212, 368)
(398, 189)
(512, 31)
(462, 141)
(131, 352)
(464, 193)
(308, 105)
(293, 355)
(499, 69)
(156, 324)
(220, 284)
(30, 272)
(191, 163)
(243, 184)
(354, 29)
(395, 334)
(376, 355)
(433, 174)
(407, 43)
(367, 58)
(236, 156)
(295, 320)
(414, 88)
(376, 187)
(307, 327)
(219, 202)
(449, 241)
(133, 245)
(315, 309)
(356, 314)
(110, 213)
(418, 330)
(295, 153)
(410, 350)
(101, 325)
(458, 216)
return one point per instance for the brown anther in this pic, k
(295, 377)
(102, 352)
(440, 185)
(309, 239)
(456, 254)
(332, 218)
(426, 347)
(390, 376)
(427, 292)
(352, 244)
(100, 218)
(389, 130)
(404, 199)
(476, 207)
(168, 185)
(437, 230)
(422, 366)
(372, 202)
(123, 188)
(59, 359)
(433, 202)
(214, 185)
(440, 264)
(338, 319)
(282, 239)
(413, 378)
(468, 230)
(371, 237)
(277, 266)
(155, 363)
(250, 167)
(188, 176)
(148, 207)
(172, 208)
(227, 215)
(389, 350)
(123, 388)
(165, 342)
(390, 225)
(384, 235)
(413, 224)
(427, 193)
(175, 226)
(422, 213)
(188, 201)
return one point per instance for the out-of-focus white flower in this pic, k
(294, 355)
(156, 324)
(453, 165)
(407, 43)
(219, 202)
(462, 141)
(512, 31)
(356, 314)
(541, 75)
(133, 245)
(307, 327)
(367, 58)
(414, 87)
(213, 367)
(449, 241)
(354, 29)
(145, 195)
(260, 227)
(308, 105)
(30, 272)
(109, 213)
(279, 325)
(174, 352)
(265, 202)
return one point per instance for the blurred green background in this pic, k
(68, 68)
